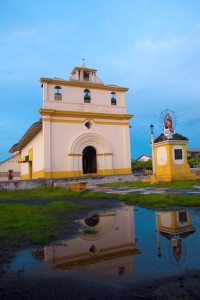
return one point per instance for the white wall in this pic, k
(73, 99)
(59, 137)
(37, 145)
(10, 164)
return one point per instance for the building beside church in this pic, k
(84, 129)
(10, 168)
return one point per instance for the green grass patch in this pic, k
(36, 223)
(179, 184)
(42, 192)
(160, 200)
(48, 193)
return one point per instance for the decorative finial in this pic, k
(83, 59)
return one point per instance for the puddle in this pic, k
(132, 243)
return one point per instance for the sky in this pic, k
(151, 47)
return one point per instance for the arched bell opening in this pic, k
(89, 160)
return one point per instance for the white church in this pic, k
(84, 129)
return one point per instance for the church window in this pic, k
(88, 124)
(182, 217)
(113, 98)
(87, 97)
(178, 154)
(86, 76)
(57, 93)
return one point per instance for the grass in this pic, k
(36, 223)
(179, 184)
(160, 200)
(39, 193)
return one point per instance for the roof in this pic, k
(28, 136)
(84, 68)
(175, 137)
(193, 149)
(76, 80)
(10, 157)
(144, 155)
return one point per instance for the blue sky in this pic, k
(150, 46)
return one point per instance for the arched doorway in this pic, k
(89, 160)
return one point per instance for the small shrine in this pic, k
(175, 225)
(169, 154)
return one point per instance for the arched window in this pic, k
(57, 93)
(87, 97)
(86, 76)
(113, 98)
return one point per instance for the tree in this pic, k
(141, 166)
(194, 161)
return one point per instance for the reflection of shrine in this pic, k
(106, 245)
(175, 225)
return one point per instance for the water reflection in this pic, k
(174, 226)
(167, 243)
(106, 245)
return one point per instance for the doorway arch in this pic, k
(89, 160)
(103, 153)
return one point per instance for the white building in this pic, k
(10, 168)
(144, 157)
(84, 129)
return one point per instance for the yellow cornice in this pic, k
(98, 154)
(84, 84)
(48, 119)
(171, 142)
(80, 114)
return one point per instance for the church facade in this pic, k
(84, 129)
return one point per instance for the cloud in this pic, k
(172, 61)
(26, 50)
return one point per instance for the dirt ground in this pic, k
(27, 284)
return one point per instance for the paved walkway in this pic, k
(137, 190)
(144, 190)
(93, 185)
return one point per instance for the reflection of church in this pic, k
(174, 225)
(84, 129)
(106, 245)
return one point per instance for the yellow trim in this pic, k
(115, 171)
(22, 159)
(98, 154)
(78, 114)
(85, 84)
(75, 154)
(103, 251)
(62, 174)
(24, 177)
(30, 169)
(111, 123)
(30, 154)
(104, 154)
(82, 122)
(80, 260)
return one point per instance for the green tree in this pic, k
(194, 161)
(141, 166)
